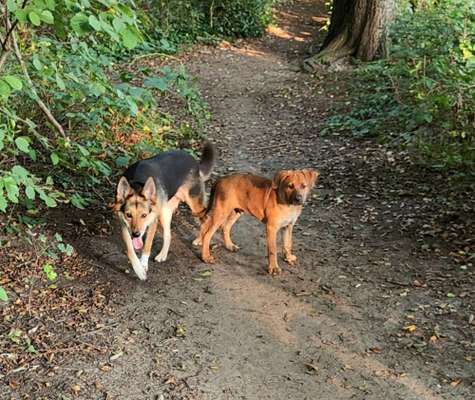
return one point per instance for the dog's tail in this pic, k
(208, 160)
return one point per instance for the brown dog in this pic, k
(277, 203)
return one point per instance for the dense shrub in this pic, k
(424, 94)
(181, 20)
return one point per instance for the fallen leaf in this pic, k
(410, 328)
(311, 367)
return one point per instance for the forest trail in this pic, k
(336, 326)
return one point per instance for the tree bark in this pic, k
(357, 28)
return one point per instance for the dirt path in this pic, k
(337, 326)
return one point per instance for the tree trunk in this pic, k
(357, 28)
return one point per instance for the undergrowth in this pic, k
(423, 95)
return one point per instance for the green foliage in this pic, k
(423, 95)
(49, 271)
(3, 294)
(73, 51)
(188, 21)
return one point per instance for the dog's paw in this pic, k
(233, 247)
(139, 270)
(197, 242)
(208, 260)
(290, 259)
(274, 270)
(144, 262)
(161, 257)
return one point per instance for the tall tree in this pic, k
(357, 28)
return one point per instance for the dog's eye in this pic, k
(144, 215)
(128, 215)
(290, 185)
(304, 186)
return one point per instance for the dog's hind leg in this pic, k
(196, 200)
(215, 221)
(152, 229)
(139, 270)
(232, 218)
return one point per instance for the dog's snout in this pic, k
(135, 234)
(298, 198)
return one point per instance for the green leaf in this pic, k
(95, 23)
(30, 192)
(5, 89)
(3, 202)
(50, 4)
(54, 158)
(47, 17)
(3, 294)
(13, 81)
(118, 24)
(78, 201)
(156, 83)
(60, 82)
(11, 5)
(20, 172)
(49, 201)
(22, 144)
(12, 189)
(122, 161)
(34, 18)
(37, 63)
(129, 38)
(97, 89)
(49, 271)
(2, 138)
(80, 24)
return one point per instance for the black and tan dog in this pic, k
(150, 191)
(277, 203)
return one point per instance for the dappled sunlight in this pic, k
(248, 52)
(283, 34)
(320, 19)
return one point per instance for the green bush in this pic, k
(424, 94)
(187, 21)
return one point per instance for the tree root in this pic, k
(326, 57)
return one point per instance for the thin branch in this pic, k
(4, 58)
(10, 26)
(36, 97)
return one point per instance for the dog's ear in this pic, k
(149, 190)
(311, 176)
(123, 190)
(279, 177)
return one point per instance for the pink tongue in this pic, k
(137, 242)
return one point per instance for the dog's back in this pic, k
(170, 169)
(245, 192)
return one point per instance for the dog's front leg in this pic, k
(134, 260)
(166, 221)
(272, 249)
(148, 244)
(288, 256)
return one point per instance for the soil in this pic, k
(379, 306)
